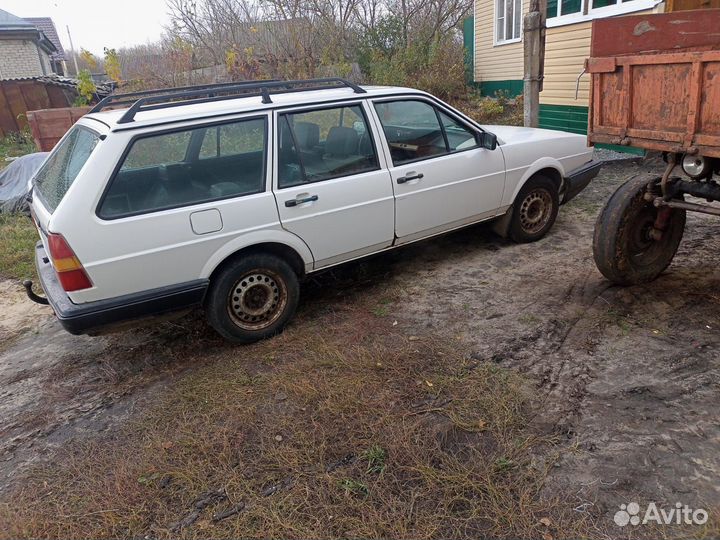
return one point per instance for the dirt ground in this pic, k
(627, 376)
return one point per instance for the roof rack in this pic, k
(114, 100)
(148, 100)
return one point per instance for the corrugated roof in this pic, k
(47, 27)
(14, 27)
(8, 21)
(102, 88)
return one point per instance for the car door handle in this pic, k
(410, 176)
(295, 202)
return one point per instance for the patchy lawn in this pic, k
(461, 387)
(340, 427)
(18, 237)
(15, 145)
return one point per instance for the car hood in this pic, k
(519, 134)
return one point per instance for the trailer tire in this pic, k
(623, 249)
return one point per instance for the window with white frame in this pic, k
(577, 10)
(508, 20)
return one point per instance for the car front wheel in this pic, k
(252, 298)
(534, 210)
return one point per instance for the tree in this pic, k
(112, 65)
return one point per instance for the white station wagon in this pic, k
(225, 196)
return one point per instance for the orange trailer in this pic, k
(655, 85)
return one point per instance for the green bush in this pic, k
(436, 66)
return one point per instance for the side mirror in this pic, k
(487, 140)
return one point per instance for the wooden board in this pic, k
(654, 33)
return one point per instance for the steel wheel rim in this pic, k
(257, 299)
(642, 249)
(535, 211)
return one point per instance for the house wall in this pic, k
(497, 67)
(22, 58)
(500, 67)
(566, 48)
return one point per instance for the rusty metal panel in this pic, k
(682, 5)
(8, 123)
(709, 113)
(653, 33)
(600, 65)
(668, 100)
(668, 108)
(611, 84)
(16, 104)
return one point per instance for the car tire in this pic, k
(534, 210)
(252, 298)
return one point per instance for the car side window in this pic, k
(412, 130)
(158, 174)
(459, 137)
(167, 149)
(231, 139)
(322, 144)
(416, 130)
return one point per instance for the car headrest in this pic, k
(307, 135)
(341, 141)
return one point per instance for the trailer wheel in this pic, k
(626, 248)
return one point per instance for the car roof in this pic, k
(239, 105)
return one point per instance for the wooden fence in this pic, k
(19, 96)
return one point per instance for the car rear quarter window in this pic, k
(233, 139)
(188, 167)
(169, 148)
(62, 166)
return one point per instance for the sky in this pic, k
(95, 25)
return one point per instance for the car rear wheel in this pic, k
(535, 210)
(252, 298)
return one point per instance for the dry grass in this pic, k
(500, 110)
(338, 428)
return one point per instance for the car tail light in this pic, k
(70, 271)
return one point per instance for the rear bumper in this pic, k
(94, 316)
(578, 179)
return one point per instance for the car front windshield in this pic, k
(62, 166)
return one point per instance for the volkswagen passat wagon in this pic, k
(226, 196)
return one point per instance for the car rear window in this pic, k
(63, 165)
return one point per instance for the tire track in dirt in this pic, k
(627, 376)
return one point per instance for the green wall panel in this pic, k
(469, 44)
(512, 87)
(575, 120)
(564, 118)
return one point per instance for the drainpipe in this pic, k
(40, 59)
